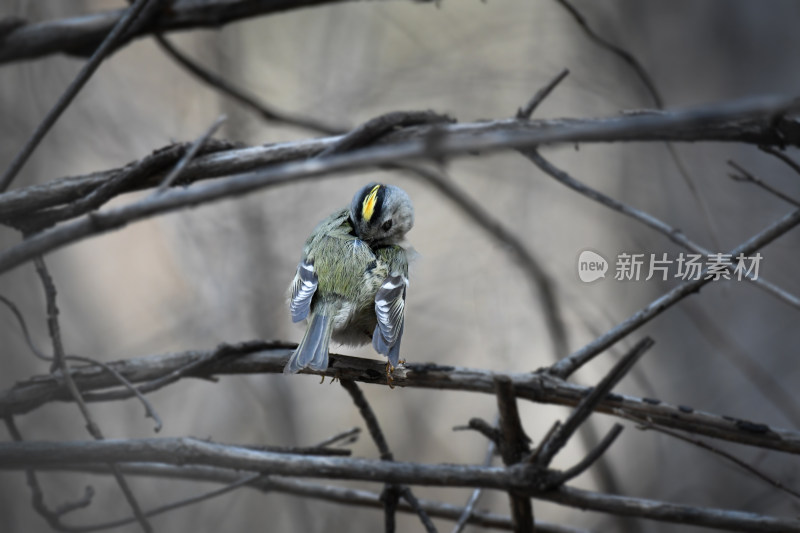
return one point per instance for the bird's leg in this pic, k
(389, 378)
(335, 376)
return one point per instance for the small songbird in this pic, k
(351, 281)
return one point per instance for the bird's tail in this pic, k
(312, 352)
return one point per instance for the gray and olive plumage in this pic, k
(351, 282)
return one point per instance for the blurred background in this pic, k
(219, 273)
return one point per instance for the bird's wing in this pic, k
(390, 303)
(302, 290)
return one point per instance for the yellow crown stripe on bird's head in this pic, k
(368, 206)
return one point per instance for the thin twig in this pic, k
(53, 517)
(369, 417)
(391, 492)
(18, 314)
(345, 437)
(644, 424)
(782, 156)
(590, 457)
(483, 427)
(469, 509)
(72, 90)
(589, 403)
(189, 155)
(246, 99)
(744, 175)
(621, 53)
(241, 482)
(370, 131)
(526, 111)
(149, 410)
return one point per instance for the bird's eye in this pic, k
(387, 225)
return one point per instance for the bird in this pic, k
(352, 279)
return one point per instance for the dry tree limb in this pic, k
(749, 121)
(172, 177)
(17, 456)
(81, 34)
(527, 110)
(257, 357)
(331, 493)
(513, 446)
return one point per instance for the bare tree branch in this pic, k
(78, 35)
(527, 110)
(518, 478)
(263, 357)
(590, 458)
(346, 496)
(167, 182)
(749, 121)
(513, 446)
